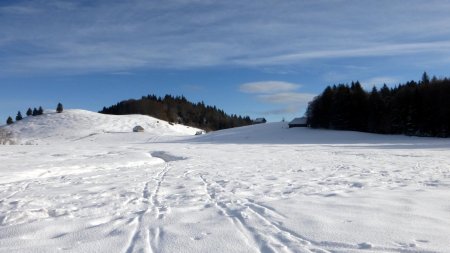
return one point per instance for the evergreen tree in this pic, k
(19, 116)
(425, 78)
(29, 112)
(59, 108)
(40, 111)
(35, 112)
(9, 121)
(414, 108)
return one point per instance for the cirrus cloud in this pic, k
(53, 36)
(268, 87)
(278, 93)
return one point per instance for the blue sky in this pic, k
(259, 58)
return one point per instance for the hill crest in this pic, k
(73, 124)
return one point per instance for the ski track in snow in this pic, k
(125, 192)
(265, 235)
(260, 226)
(141, 232)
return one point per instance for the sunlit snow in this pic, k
(84, 182)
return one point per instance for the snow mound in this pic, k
(75, 124)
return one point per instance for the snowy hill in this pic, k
(75, 124)
(280, 133)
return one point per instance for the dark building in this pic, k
(298, 122)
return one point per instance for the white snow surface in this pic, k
(91, 185)
(74, 124)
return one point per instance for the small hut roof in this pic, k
(298, 121)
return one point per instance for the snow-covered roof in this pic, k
(259, 120)
(138, 129)
(298, 121)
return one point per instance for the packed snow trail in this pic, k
(141, 233)
(238, 190)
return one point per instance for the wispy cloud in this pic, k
(19, 9)
(370, 51)
(268, 87)
(112, 36)
(278, 93)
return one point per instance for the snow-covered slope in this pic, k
(75, 124)
(265, 189)
(280, 133)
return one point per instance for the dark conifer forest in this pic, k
(414, 108)
(179, 110)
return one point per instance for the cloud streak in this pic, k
(55, 36)
(268, 87)
(278, 93)
(370, 51)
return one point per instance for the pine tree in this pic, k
(35, 112)
(40, 110)
(9, 121)
(29, 112)
(19, 116)
(59, 108)
(425, 78)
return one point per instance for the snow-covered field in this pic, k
(88, 184)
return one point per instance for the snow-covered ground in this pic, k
(91, 185)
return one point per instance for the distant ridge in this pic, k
(178, 109)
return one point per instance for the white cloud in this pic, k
(19, 9)
(278, 93)
(91, 36)
(369, 51)
(268, 87)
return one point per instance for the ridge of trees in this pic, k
(414, 108)
(29, 113)
(179, 110)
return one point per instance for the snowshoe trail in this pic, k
(249, 219)
(144, 237)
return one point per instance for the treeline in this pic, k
(34, 112)
(179, 110)
(415, 108)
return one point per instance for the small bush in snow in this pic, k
(29, 112)
(59, 108)
(9, 121)
(19, 116)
